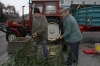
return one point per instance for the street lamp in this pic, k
(23, 15)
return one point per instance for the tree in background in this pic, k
(11, 12)
(2, 16)
(8, 12)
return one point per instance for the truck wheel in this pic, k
(10, 36)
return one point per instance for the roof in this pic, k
(45, 0)
(77, 6)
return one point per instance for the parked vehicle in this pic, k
(49, 8)
(88, 18)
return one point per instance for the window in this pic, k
(94, 3)
(83, 2)
(51, 8)
(72, 2)
(62, 1)
(40, 6)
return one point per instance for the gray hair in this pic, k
(64, 10)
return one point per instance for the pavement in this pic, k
(88, 59)
(3, 48)
(2, 34)
(91, 37)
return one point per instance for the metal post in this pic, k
(29, 8)
(23, 15)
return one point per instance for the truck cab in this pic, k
(49, 8)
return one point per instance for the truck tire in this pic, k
(10, 36)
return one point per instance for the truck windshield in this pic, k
(51, 8)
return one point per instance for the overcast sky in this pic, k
(18, 5)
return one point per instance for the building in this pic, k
(69, 2)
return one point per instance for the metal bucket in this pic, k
(97, 46)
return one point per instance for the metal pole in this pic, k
(23, 15)
(29, 7)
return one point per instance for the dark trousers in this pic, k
(73, 54)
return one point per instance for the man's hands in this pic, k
(60, 37)
(34, 35)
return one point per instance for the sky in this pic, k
(18, 5)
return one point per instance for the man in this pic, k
(71, 34)
(40, 26)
